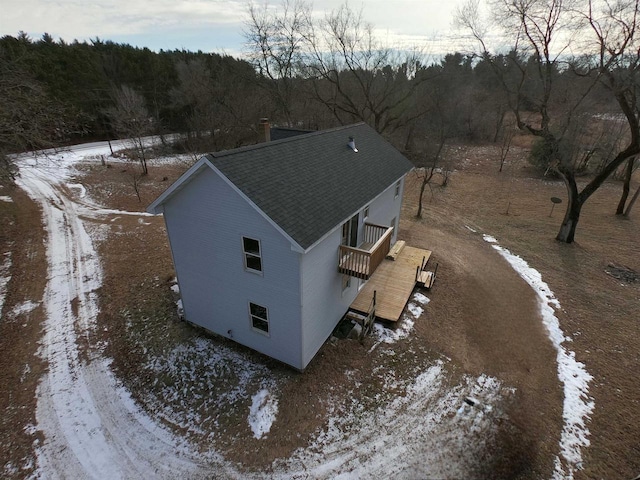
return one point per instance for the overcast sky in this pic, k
(211, 25)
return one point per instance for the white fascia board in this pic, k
(157, 206)
(295, 246)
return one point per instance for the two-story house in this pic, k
(271, 242)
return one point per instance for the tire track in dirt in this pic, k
(91, 426)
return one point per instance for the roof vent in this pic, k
(352, 144)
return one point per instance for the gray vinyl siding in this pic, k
(323, 301)
(386, 207)
(205, 224)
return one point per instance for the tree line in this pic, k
(312, 73)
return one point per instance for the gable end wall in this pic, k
(205, 224)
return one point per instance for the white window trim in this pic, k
(348, 283)
(251, 316)
(365, 212)
(245, 253)
(397, 192)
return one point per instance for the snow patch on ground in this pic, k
(90, 424)
(405, 325)
(59, 166)
(5, 277)
(79, 187)
(470, 229)
(414, 428)
(578, 405)
(200, 375)
(421, 433)
(175, 288)
(99, 232)
(489, 238)
(24, 307)
(414, 309)
(5, 198)
(420, 298)
(262, 413)
(389, 335)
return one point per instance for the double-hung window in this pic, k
(252, 254)
(259, 317)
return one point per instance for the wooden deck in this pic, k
(394, 282)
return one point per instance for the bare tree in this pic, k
(276, 45)
(29, 119)
(130, 118)
(505, 136)
(632, 202)
(357, 77)
(353, 75)
(615, 28)
(544, 31)
(219, 102)
(626, 185)
(431, 165)
(435, 131)
(195, 96)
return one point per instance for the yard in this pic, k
(471, 384)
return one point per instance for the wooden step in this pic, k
(395, 250)
(425, 279)
(355, 316)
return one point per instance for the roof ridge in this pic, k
(247, 148)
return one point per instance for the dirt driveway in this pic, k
(483, 321)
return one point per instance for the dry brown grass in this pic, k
(455, 325)
(599, 312)
(20, 368)
(482, 315)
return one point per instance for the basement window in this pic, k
(252, 255)
(259, 318)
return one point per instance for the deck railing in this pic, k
(362, 262)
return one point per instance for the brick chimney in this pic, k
(264, 131)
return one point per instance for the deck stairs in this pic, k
(395, 250)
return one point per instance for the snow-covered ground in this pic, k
(263, 412)
(92, 428)
(429, 432)
(418, 427)
(403, 330)
(578, 405)
(5, 277)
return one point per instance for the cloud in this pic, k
(208, 24)
(72, 19)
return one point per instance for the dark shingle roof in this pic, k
(279, 133)
(310, 183)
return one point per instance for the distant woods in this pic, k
(101, 89)
(308, 72)
(56, 92)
